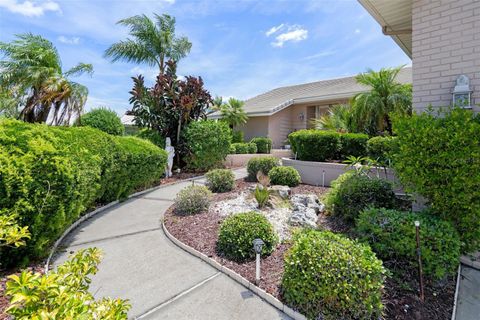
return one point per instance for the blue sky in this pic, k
(240, 47)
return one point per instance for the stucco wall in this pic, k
(446, 44)
(255, 127)
(279, 126)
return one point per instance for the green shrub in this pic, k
(208, 143)
(262, 195)
(232, 149)
(237, 232)
(315, 145)
(192, 199)
(352, 144)
(439, 158)
(237, 136)
(285, 176)
(252, 148)
(51, 175)
(381, 149)
(153, 136)
(103, 119)
(240, 148)
(352, 192)
(328, 276)
(220, 180)
(392, 236)
(264, 144)
(63, 293)
(264, 164)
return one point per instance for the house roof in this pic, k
(395, 17)
(127, 120)
(275, 100)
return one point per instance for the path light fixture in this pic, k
(257, 246)
(419, 255)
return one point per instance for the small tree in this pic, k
(233, 113)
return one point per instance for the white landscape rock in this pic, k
(282, 191)
(303, 211)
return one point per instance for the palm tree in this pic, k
(372, 109)
(152, 43)
(232, 112)
(338, 118)
(32, 67)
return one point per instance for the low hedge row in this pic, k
(320, 145)
(243, 148)
(264, 144)
(51, 175)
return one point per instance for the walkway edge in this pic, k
(457, 286)
(101, 209)
(236, 277)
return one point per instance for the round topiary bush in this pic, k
(252, 148)
(237, 232)
(220, 180)
(264, 144)
(240, 148)
(264, 164)
(381, 149)
(103, 119)
(352, 192)
(193, 199)
(391, 234)
(284, 176)
(328, 276)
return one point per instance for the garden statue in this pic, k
(171, 154)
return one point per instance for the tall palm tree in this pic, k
(372, 109)
(33, 67)
(232, 112)
(152, 43)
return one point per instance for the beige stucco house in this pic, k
(442, 37)
(278, 112)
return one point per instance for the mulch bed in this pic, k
(401, 300)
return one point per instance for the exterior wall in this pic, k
(255, 127)
(296, 111)
(241, 160)
(279, 127)
(446, 44)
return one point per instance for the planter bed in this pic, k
(200, 231)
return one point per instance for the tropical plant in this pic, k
(170, 104)
(338, 118)
(232, 112)
(152, 42)
(9, 103)
(372, 110)
(32, 69)
(11, 234)
(103, 119)
(63, 293)
(262, 194)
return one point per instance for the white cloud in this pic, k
(319, 55)
(357, 31)
(30, 8)
(67, 40)
(273, 30)
(294, 34)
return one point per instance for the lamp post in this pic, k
(257, 246)
(419, 255)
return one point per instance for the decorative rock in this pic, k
(304, 218)
(305, 210)
(282, 191)
(306, 200)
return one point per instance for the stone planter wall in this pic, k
(323, 173)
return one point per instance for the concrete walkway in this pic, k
(468, 303)
(161, 280)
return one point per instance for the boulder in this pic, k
(305, 210)
(282, 191)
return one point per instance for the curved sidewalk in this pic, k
(161, 280)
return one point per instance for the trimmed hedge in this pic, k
(392, 236)
(352, 192)
(237, 136)
(51, 175)
(243, 148)
(153, 136)
(103, 119)
(321, 145)
(264, 164)
(439, 158)
(220, 180)
(264, 144)
(381, 149)
(237, 232)
(284, 176)
(328, 276)
(208, 143)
